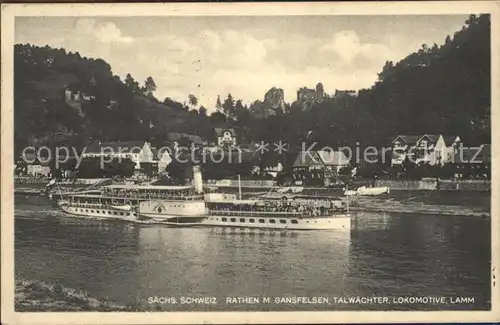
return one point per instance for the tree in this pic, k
(228, 105)
(193, 101)
(173, 104)
(178, 172)
(132, 84)
(218, 105)
(203, 111)
(386, 70)
(218, 119)
(149, 87)
(54, 91)
(447, 40)
(409, 97)
(239, 109)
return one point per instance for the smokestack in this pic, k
(197, 179)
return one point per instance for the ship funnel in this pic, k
(197, 179)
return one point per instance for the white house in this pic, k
(164, 159)
(225, 137)
(428, 148)
(38, 170)
(271, 170)
(321, 164)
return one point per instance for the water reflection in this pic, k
(428, 255)
(382, 255)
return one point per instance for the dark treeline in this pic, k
(101, 106)
(438, 89)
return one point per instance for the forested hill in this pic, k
(438, 89)
(61, 97)
(445, 89)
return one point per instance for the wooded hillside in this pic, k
(438, 89)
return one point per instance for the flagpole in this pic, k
(239, 185)
(347, 197)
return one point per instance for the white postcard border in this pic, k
(10, 11)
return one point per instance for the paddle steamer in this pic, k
(168, 204)
(287, 214)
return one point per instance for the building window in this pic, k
(242, 220)
(282, 221)
(262, 221)
(294, 221)
(272, 221)
(252, 220)
(233, 219)
(224, 219)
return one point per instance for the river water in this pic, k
(148, 267)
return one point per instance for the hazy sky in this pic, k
(244, 56)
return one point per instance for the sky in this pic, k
(242, 55)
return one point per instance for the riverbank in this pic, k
(33, 296)
(416, 206)
(430, 202)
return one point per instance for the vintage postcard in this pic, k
(250, 163)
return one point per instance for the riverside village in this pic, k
(138, 196)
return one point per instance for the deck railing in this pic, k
(276, 214)
(147, 197)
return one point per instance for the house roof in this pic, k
(307, 160)
(449, 139)
(220, 131)
(433, 138)
(333, 158)
(408, 139)
(321, 158)
(160, 154)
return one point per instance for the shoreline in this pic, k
(403, 206)
(33, 295)
(481, 215)
(430, 202)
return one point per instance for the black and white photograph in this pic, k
(200, 161)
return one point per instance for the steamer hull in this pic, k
(284, 215)
(173, 211)
(165, 204)
(340, 222)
